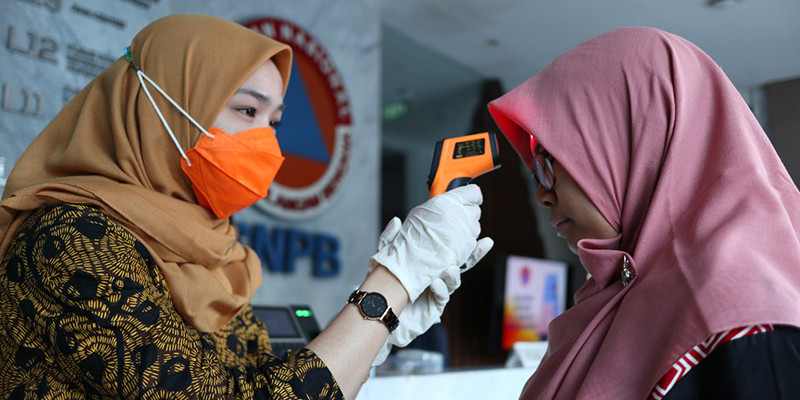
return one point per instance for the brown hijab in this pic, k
(107, 148)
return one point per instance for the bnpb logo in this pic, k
(315, 135)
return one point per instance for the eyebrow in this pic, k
(260, 97)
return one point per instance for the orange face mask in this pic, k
(228, 172)
(231, 172)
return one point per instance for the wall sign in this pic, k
(281, 248)
(316, 130)
(50, 49)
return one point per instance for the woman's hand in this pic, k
(438, 234)
(428, 307)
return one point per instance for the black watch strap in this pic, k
(387, 316)
(390, 320)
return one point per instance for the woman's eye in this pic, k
(275, 124)
(249, 111)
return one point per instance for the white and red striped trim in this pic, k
(699, 353)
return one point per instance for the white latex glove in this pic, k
(427, 309)
(440, 233)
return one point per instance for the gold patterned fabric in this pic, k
(85, 313)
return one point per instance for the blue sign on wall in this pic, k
(281, 248)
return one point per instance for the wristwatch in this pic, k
(373, 306)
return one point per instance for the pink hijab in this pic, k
(665, 147)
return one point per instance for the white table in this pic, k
(493, 383)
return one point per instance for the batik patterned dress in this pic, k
(85, 313)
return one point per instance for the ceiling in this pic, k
(754, 41)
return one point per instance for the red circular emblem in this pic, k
(316, 130)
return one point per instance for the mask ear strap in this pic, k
(140, 75)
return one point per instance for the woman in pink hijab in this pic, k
(660, 178)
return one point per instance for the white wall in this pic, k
(49, 51)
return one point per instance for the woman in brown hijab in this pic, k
(121, 275)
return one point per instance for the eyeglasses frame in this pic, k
(538, 171)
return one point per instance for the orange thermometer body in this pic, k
(456, 161)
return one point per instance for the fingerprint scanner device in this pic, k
(456, 161)
(290, 327)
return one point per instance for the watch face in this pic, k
(373, 305)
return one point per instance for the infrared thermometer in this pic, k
(457, 161)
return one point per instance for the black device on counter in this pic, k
(290, 327)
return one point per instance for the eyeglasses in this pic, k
(542, 171)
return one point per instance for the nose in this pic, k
(544, 197)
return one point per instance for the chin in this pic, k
(573, 247)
